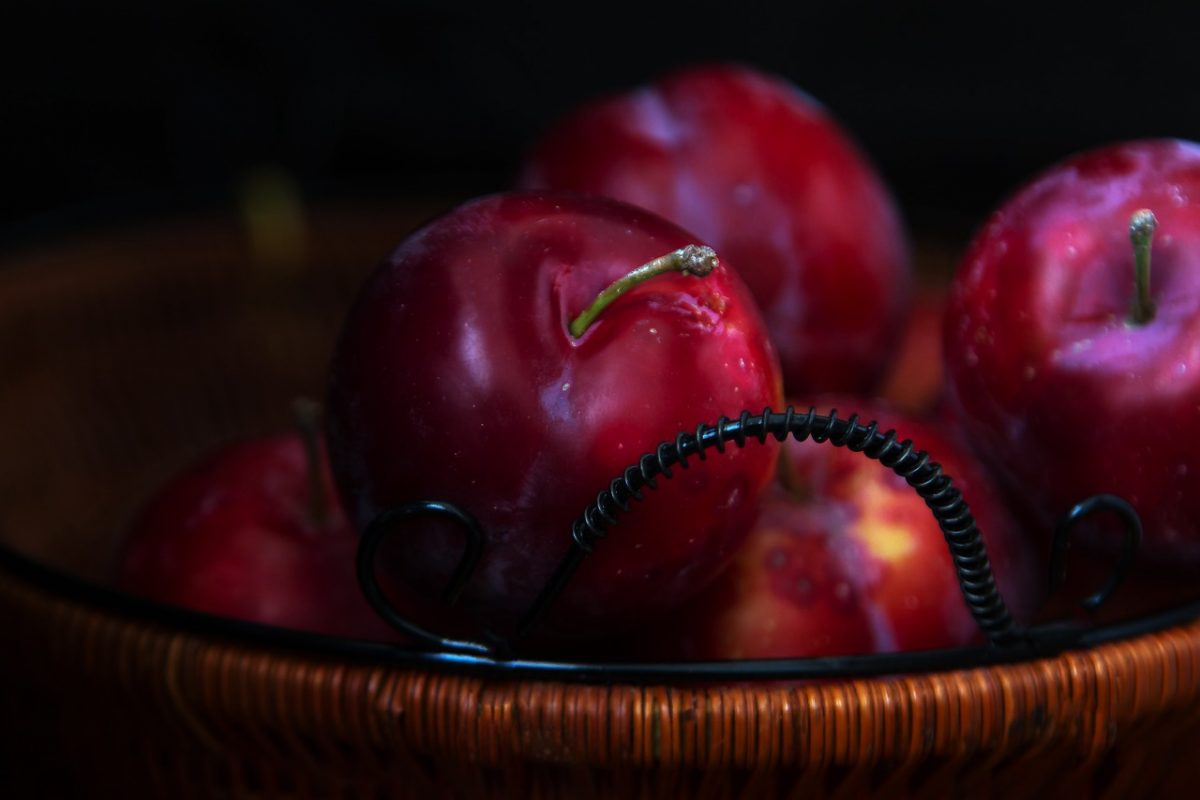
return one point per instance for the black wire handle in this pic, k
(967, 549)
(945, 501)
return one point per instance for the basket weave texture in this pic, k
(127, 354)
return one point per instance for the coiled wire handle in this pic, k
(967, 549)
(945, 501)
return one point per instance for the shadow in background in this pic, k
(172, 104)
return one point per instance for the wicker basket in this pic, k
(125, 355)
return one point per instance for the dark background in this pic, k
(110, 108)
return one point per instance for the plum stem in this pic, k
(698, 260)
(1141, 235)
(789, 478)
(307, 414)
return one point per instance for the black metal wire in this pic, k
(1129, 544)
(966, 546)
(1007, 642)
(368, 551)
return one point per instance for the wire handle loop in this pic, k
(368, 551)
(1129, 544)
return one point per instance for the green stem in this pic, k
(308, 414)
(697, 260)
(1141, 235)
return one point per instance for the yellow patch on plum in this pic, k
(882, 528)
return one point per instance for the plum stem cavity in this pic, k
(694, 259)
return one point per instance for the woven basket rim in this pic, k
(60, 587)
(1072, 704)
